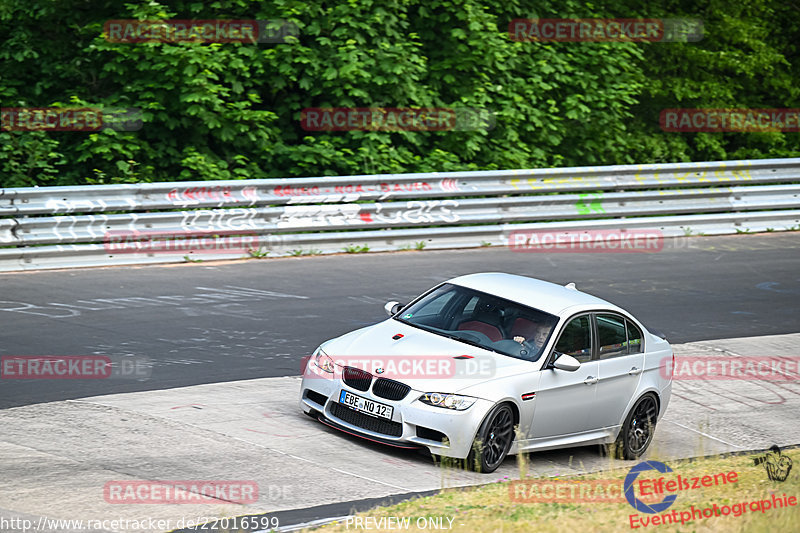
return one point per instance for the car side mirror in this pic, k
(566, 362)
(392, 308)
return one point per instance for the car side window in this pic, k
(470, 307)
(576, 339)
(611, 336)
(634, 338)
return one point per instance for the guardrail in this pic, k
(57, 227)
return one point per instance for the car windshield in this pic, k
(483, 320)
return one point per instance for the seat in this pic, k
(482, 327)
(486, 319)
(524, 328)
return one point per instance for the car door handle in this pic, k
(590, 380)
(633, 371)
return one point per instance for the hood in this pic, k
(425, 361)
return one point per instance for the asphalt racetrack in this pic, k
(216, 348)
(205, 323)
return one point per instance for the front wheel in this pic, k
(637, 431)
(493, 440)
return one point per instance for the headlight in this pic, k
(447, 401)
(322, 361)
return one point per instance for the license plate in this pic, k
(365, 405)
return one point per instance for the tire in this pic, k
(493, 440)
(637, 432)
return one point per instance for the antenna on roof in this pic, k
(571, 286)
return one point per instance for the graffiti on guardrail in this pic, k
(414, 212)
(223, 194)
(237, 218)
(419, 212)
(641, 179)
(353, 191)
(590, 202)
(78, 205)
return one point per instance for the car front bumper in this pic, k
(444, 432)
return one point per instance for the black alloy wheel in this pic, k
(493, 440)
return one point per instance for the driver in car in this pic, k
(538, 338)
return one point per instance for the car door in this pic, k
(620, 361)
(564, 399)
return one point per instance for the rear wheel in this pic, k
(637, 431)
(493, 440)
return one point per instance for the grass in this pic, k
(356, 249)
(418, 245)
(300, 251)
(491, 508)
(258, 253)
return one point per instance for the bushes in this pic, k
(232, 111)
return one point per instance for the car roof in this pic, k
(543, 295)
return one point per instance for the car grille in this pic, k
(357, 378)
(370, 423)
(390, 389)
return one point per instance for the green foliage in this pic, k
(258, 253)
(356, 249)
(216, 111)
(28, 159)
